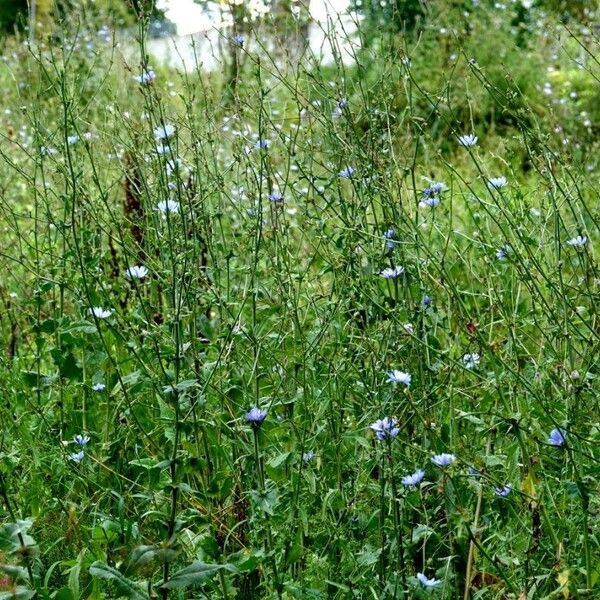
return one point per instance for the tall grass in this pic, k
(244, 310)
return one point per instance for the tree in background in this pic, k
(14, 13)
(395, 15)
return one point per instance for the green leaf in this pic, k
(279, 460)
(127, 587)
(195, 573)
(67, 364)
(18, 593)
(74, 573)
(14, 571)
(140, 556)
(266, 501)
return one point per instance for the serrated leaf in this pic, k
(139, 557)
(198, 571)
(14, 571)
(18, 593)
(74, 573)
(127, 587)
(276, 462)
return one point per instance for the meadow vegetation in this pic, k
(303, 330)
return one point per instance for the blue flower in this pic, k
(438, 188)
(77, 456)
(503, 252)
(471, 360)
(339, 107)
(81, 440)
(146, 78)
(308, 456)
(164, 132)
(467, 140)
(503, 491)
(238, 40)
(276, 197)
(392, 272)
(389, 239)
(414, 479)
(443, 460)
(255, 416)
(430, 198)
(430, 202)
(167, 206)
(495, 183)
(428, 583)
(385, 428)
(396, 376)
(347, 172)
(99, 312)
(261, 144)
(427, 300)
(557, 437)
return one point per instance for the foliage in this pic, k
(282, 331)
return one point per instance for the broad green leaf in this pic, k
(196, 573)
(18, 593)
(127, 587)
(74, 573)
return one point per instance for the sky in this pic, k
(190, 18)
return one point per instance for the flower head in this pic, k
(468, 140)
(503, 252)
(340, 106)
(398, 377)
(255, 416)
(146, 78)
(414, 479)
(99, 312)
(308, 456)
(471, 360)
(577, 242)
(503, 491)
(430, 197)
(164, 132)
(98, 387)
(81, 440)
(167, 206)
(261, 144)
(385, 428)
(347, 172)
(426, 582)
(390, 243)
(429, 202)
(557, 437)
(427, 300)
(72, 140)
(238, 40)
(392, 272)
(77, 456)
(276, 197)
(136, 272)
(495, 183)
(437, 188)
(443, 460)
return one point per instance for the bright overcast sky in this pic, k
(190, 18)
